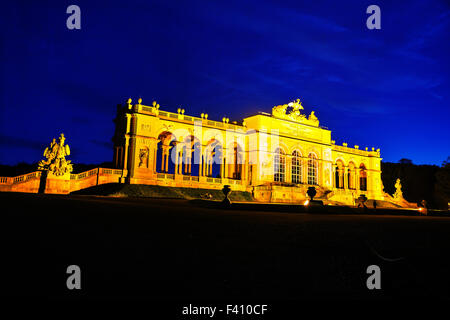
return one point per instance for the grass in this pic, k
(149, 191)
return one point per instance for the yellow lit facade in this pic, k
(275, 156)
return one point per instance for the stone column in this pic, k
(357, 173)
(180, 161)
(176, 158)
(244, 176)
(155, 150)
(163, 157)
(247, 167)
(333, 176)
(200, 165)
(132, 155)
(225, 159)
(223, 166)
(167, 153)
(201, 168)
(190, 163)
(125, 157)
(210, 167)
(345, 170)
(354, 175)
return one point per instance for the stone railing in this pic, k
(82, 175)
(21, 178)
(213, 180)
(190, 178)
(185, 118)
(24, 183)
(202, 179)
(356, 151)
(85, 174)
(29, 182)
(111, 171)
(163, 176)
(99, 171)
(340, 191)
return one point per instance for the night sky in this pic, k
(387, 88)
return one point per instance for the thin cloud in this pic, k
(420, 39)
(335, 79)
(105, 144)
(19, 142)
(314, 21)
(405, 83)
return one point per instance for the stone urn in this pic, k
(226, 191)
(311, 192)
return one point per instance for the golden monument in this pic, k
(55, 155)
(398, 195)
(294, 114)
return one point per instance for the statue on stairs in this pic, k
(398, 195)
(55, 155)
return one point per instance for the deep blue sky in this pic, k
(385, 88)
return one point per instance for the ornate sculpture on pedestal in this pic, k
(55, 155)
(294, 114)
(143, 158)
(398, 195)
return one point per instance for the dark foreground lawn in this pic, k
(172, 249)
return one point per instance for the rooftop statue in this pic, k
(294, 114)
(312, 116)
(56, 158)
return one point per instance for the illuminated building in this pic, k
(275, 156)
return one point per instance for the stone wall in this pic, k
(32, 182)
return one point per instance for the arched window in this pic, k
(340, 174)
(186, 159)
(362, 178)
(213, 160)
(190, 159)
(296, 167)
(279, 163)
(164, 148)
(312, 169)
